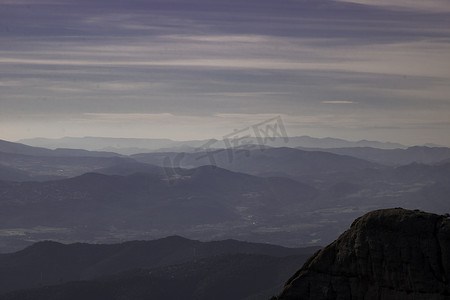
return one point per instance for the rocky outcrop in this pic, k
(386, 254)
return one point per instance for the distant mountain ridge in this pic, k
(270, 162)
(40, 163)
(128, 146)
(52, 167)
(416, 154)
(23, 149)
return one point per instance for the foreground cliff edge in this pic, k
(386, 254)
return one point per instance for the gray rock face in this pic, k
(386, 254)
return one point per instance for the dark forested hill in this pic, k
(47, 263)
(238, 277)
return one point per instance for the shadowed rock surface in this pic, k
(386, 254)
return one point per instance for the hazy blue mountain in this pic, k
(426, 155)
(135, 200)
(18, 148)
(311, 142)
(413, 186)
(67, 152)
(270, 162)
(35, 163)
(284, 195)
(124, 146)
(53, 167)
(128, 146)
(132, 167)
(45, 164)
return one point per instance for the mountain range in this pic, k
(394, 157)
(385, 254)
(209, 201)
(20, 148)
(284, 196)
(200, 270)
(128, 146)
(268, 162)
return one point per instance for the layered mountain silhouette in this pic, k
(128, 146)
(386, 254)
(283, 196)
(206, 201)
(395, 157)
(19, 148)
(118, 198)
(168, 268)
(45, 164)
(43, 168)
(20, 162)
(268, 162)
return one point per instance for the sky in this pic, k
(199, 69)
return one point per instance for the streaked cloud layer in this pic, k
(198, 69)
(418, 5)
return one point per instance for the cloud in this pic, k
(421, 57)
(11, 83)
(438, 6)
(121, 117)
(31, 2)
(338, 102)
(164, 64)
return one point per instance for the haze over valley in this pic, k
(180, 202)
(285, 196)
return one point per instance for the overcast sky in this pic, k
(197, 69)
